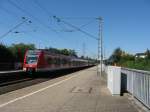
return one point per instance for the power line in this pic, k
(69, 24)
(64, 29)
(89, 22)
(25, 31)
(80, 18)
(53, 15)
(29, 33)
(73, 30)
(24, 11)
(15, 27)
(58, 20)
(84, 49)
(44, 9)
(9, 12)
(75, 27)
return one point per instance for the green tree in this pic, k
(53, 50)
(130, 61)
(64, 52)
(19, 50)
(72, 53)
(120, 57)
(5, 55)
(67, 52)
(147, 54)
(116, 56)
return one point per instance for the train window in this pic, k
(56, 61)
(49, 60)
(64, 61)
(74, 63)
(70, 63)
(31, 59)
(61, 61)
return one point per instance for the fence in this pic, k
(138, 84)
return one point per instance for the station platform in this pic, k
(82, 91)
(11, 71)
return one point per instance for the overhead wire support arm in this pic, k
(75, 27)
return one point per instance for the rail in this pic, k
(11, 72)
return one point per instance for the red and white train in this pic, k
(44, 60)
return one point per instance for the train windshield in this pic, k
(31, 59)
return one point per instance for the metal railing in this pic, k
(138, 84)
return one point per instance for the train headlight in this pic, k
(24, 69)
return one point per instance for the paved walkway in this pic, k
(94, 96)
(82, 91)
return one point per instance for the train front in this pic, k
(31, 61)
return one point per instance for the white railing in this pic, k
(137, 82)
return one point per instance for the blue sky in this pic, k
(126, 24)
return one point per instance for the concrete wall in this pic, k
(99, 67)
(114, 79)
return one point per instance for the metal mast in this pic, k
(100, 44)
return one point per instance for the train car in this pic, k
(43, 60)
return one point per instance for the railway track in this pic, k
(16, 81)
(20, 83)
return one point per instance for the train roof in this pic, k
(78, 59)
(56, 54)
(49, 52)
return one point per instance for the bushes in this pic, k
(128, 60)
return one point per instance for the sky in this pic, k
(126, 24)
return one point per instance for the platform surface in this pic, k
(82, 91)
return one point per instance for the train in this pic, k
(44, 60)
